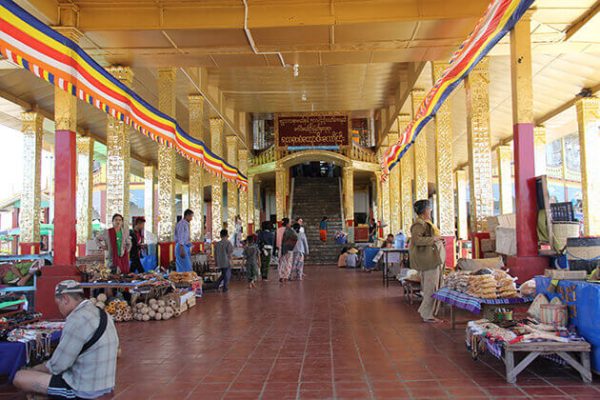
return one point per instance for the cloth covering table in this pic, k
(13, 356)
(583, 302)
(474, 304)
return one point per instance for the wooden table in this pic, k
(536, 349)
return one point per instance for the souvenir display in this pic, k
(483, 283)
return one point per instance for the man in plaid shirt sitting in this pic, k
(84, 364)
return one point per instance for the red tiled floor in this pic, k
(338, 335)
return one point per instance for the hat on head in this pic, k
(66, 287)
(352, 251)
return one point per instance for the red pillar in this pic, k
(29, 248)
(65, 176)
(65, 239)
(527, 263)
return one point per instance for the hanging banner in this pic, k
(498, 20)
(36, 47)
(312, 130)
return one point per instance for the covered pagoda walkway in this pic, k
(337, 335)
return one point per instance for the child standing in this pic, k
(223, 252)
(251, 254)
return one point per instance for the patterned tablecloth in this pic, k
(472, 303)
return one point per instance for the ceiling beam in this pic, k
(402, 94)
(45, 10)
(582, 21)
(112, 15)
(540, 121)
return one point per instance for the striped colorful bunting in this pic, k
(36, 47)
(499, 19)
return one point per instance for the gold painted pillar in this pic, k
(384, 202)
(216, 146)
(185, 197)
(118, 158)
(480, 149)
(29, 213)
(85, 187)
(232, 189)
(461, 200)
(539, 137)
(406, 190)
(348, 188)
(253, 222)
(196, 182)
(444, 162)
(280, 192)
(504, 156)
(376, 202)
(166, 159)
(420, 151)
(394, 193)
(243, 194)
(588, 123)
(149, 197)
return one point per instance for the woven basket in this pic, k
(554, 314)
(563, 230)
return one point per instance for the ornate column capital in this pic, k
(122, 73)
(217, 124)
(437, 69)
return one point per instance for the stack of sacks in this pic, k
(482, 286)
(506, 287)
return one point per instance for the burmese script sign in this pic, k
(312, 130)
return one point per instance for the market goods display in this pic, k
(183, 277)
(119, 310)
(164, 308)
(484, 284)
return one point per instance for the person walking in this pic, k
(300, 250)
(137, 245)
(323, 229)
(427, 255)
(116, 244)
(251, 254)
(223, 252)
(288, 242)
(183, 244)
(265, 245)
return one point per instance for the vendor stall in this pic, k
(583, 302)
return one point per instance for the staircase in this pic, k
(313, 199)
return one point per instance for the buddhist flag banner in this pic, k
(499, 19)
(36, 47)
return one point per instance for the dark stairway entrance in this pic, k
(315, 197)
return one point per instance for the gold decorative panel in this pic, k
(167, 159)
(166, 193)
(348, 187)
(384, 195)
(444, 162)
(588, 122)
(149, 197)
(117, 170)
(539, 135)
(280, 192)
(232, 190)
(406, 192)
(29, 214)
(480, 150)
(461, 202)
(65, 111)
(216, 145)
(420, 151)
(196, 180)
(85, 187)
(243, 194)
(394, 193)
(504, 155)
